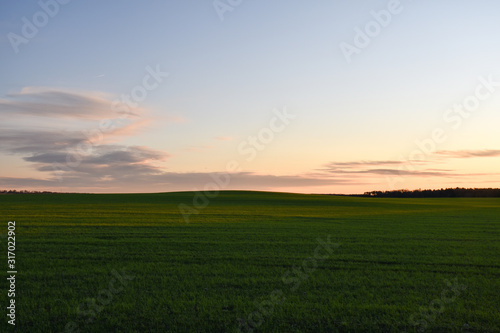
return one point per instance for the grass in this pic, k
(246, 250)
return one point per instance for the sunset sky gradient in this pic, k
(157, 96)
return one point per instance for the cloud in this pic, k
(384, 168)
(69, 155)
(361, 163)
(367, 167)
(132, 178)
(45, 102)
(26, 141)
(84, 151)
(401, 172)
(468, 153)
(415, 168)
(105, 155)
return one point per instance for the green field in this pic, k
(253, 260)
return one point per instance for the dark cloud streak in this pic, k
(469, 153)
(59, 104)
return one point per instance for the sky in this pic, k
(293, 96)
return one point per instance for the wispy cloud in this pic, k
(417, 168)
(468, 153)
(46, 102)
(362, 163)
(82, 151)
(431, 173)
(106, 155)
(134, 178)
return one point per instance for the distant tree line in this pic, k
(24, 192)
(441, 193)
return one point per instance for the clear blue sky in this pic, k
(357, 119)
